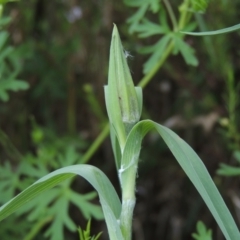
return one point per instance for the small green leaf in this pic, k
(13, 85)
(157, 50)
(85, 234)
(144, 5)
(61, 219)
(227, 170)
(148, 28)
(136, 18)
(202, 232)
(88, 209)
(8, 69)
(186, 51)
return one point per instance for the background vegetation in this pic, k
(54, 55)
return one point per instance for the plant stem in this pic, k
(95, 145)
(184, 16)
(94, 104)
(171, 14)
(126, 217)
(38, 226)
(146, 79)
(128, 182)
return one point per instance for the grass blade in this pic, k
(208, 33)
(108, 197)
(190, 163)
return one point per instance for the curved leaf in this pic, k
(208, 33)
(190, 163)
(108, 197)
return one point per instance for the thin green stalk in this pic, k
(184, 17)
(171, 14)
(128, 206)
(95, 145)
(94, 104)
(36, 229)
(146, 79)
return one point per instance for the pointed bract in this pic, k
(121, 97)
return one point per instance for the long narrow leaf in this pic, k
(108, 197)
(190, 163)
(220, 31)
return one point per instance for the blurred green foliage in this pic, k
(51, 153)
(145, 28)
(10, 65)
(202, 232)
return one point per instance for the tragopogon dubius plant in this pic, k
(124, 103)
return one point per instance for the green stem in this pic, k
(126, 217)
(94, 103)
(146, 79)
(184, 17)
(171, 14)
(128, 182)
(36, 229)
(98, 141)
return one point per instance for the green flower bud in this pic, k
(123, 100)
